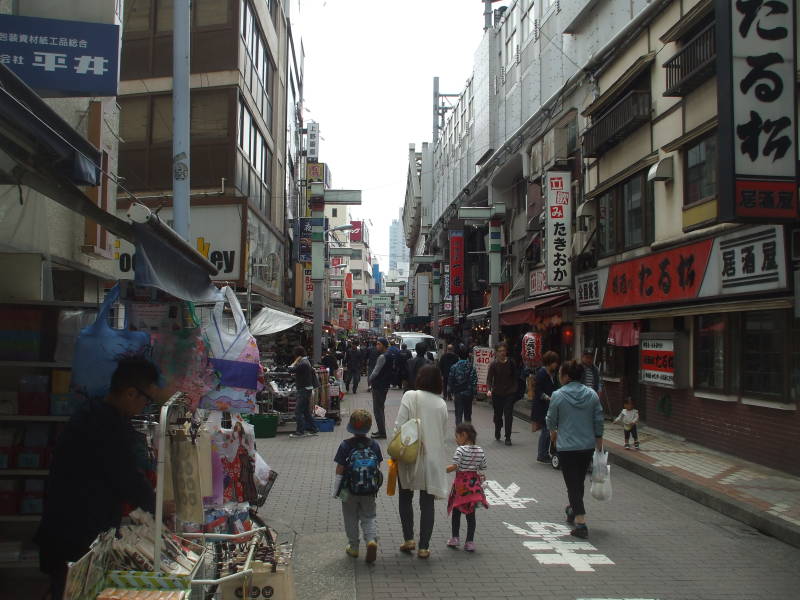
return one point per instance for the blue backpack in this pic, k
(462, 375)
(364, 477)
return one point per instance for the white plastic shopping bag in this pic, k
(599, 464)
(601, 490)
(319, 411)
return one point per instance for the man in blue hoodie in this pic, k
(575, 421)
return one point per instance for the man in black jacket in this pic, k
(95, 471)
(415, 364)
(445, 364)
(353, 363)
(546, 384)
(380, 379)
(305, 380)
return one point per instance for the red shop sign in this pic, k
(456, 262)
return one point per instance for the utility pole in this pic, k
(317, 264)
(181, 37)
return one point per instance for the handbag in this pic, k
(99, 349)
(405, 445)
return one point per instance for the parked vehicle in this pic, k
(412, 338)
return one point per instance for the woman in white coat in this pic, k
(428, 474)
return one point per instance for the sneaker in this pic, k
(636, 445)
(353, 552)
(408, 546)
(570, 515)
(453, 543)
(627, 446)
(508, 441)
(581, 531)
(297, 434)
(469, 547)
(372, 551)
(497, 434)
(312, 433)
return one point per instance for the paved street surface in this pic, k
(646, 543)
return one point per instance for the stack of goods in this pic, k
(271, 566)
(20, 334)
(122, 594)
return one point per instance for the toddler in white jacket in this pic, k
(629, 417)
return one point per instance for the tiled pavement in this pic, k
(646, 543)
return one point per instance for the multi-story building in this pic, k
(246, 80)
(398, 251)
(641, 210)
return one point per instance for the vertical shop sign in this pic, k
(456, 262)
(559, 229)
(757, 102)
(483, 357)
(356, 234)
(348, 286)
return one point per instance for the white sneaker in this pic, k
(312, 433)
(297, 435)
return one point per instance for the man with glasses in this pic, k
(94, 471)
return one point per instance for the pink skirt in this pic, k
(466, 493)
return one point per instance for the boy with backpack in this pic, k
(358, 479)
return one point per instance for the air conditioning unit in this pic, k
(555, 147)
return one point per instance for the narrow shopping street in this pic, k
(647, 543)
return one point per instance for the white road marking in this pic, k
(563, 553)
(497, 495)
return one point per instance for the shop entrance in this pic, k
(633, 388)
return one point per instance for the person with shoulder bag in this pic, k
(462, 383)
(427, 473)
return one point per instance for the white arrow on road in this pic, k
(497, 495)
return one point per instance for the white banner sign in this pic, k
(482, 359)
(559, 228)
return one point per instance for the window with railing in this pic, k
(693, 64)
(618, 122)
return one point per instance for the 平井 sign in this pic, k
(756, 96)
(65, 58)
(559, 229)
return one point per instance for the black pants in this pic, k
(378, 408)
(470, 524)
(426, 517)
(503, 408)
(633, 433)
(354, 376)
(574, 464)
(463, 403)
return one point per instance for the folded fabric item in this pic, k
(234, 373)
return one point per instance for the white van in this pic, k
(412, 338)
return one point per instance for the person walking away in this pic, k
(353, 361)
(415, 364)
(427, 474)
(546, 384)
(372, 359)
(305, 380)
(446, 362)
(403, 360)
(358, 479)
(503, 384)
(466, 494)
(330, 362)
(575, 421)
(463, 386)
(380, 379)
(591, 374)
(82, 500)
(629, 417)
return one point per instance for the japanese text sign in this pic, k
(456, 262)
(482, 358)
(356, 233)
(303, 233)
(658, 362)
(559, 229)
(758, 129)
(537, 283)
(70, 58)
(532, 348)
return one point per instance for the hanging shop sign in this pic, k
(456, 262)
(558, 269)
(537, 283)
(313, 142)
(532, 348)
(422, 299)
(482, 358)
(757, 110)
(752, 259)
(64, 58)
(664, 359)
(357, 232)
(302, 233)
(348, 285)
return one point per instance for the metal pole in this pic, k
(435, 109)
(495, 316)
(249, 286)
(318, 319)
(181, 23)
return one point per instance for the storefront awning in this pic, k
(445, 322)
(624, 334)
(688, 310)
(525, 313)
(269, 321)
(481, 313)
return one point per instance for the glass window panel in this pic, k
(209, 115)
(633, 212)
(701, 170)
(606, 226)
(164, 15)
(210, 12)
(763, 336)
(137, 16)
(709, 351)
(133, 119)
(246, 131)
(162, 119)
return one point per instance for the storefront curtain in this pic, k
(624, 333)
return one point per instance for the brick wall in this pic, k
(763, 435)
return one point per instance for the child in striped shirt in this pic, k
(467, 490)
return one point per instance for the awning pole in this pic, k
(181, 22)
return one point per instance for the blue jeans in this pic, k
(302, 412)
(544, 443)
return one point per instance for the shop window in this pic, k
(633, 212)
(763, 347)
(134, 117)
(626, 216)
(700, 167)
(709, 352)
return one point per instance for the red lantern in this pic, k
(532, 348)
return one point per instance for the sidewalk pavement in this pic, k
(763, 498)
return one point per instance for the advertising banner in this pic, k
(658, 362)
(356, 233)
(757, 104)
(482, 358)
(456, 262)
(558, 269)
(303, 228)
(348, 286)
(65, 58)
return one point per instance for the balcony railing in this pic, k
(695, 63)
(627, 115)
